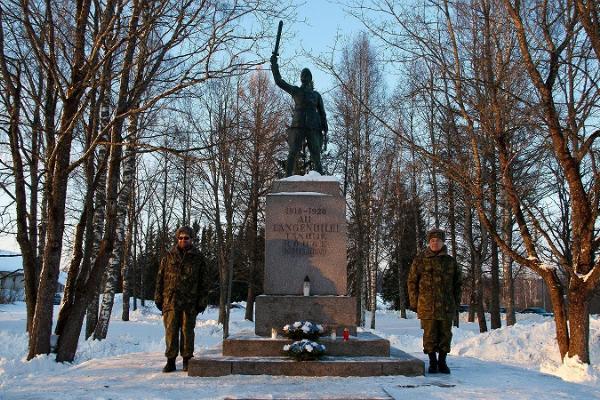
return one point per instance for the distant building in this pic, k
(12, 278)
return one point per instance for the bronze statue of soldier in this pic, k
(309, 121)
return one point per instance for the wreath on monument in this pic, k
(303, 330)
(304, 350)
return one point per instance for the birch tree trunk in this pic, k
(495, 321)
(507, 270)
(120, 204)
(99, 212)
(78, 270)
(119, 254)
(127, 264)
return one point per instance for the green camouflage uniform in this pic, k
(434, 285)
(181, 293)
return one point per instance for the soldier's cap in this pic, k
(184, 229)
(436, 233)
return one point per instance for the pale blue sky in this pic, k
(325, 21)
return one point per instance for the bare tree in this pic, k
(574, 153)
(224, 145)
(263, 117)
(361, 76)
(11, 68)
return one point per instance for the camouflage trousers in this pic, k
(437, 335)
(179, 332)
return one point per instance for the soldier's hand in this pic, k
(324, 144)
(274, 59)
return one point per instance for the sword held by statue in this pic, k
(278, 39)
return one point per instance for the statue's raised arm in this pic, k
(277, 76)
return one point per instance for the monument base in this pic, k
(305, 237)
(398, 363)
(334, 312)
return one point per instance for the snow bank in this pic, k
(531, 343)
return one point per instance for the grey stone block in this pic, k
(209, 367)
(254, 346)
(406, 368)
(331, 311)
(305, 236)
(364, 344)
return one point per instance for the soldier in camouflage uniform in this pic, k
(181, 293)
(434, 285)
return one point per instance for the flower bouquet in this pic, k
(304, 350)
(303, 330)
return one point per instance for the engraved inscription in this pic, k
(308, 235)
(305, 210)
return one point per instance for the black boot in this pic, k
(433, 363)
(185, 363)
(442, 366)
(170, 365)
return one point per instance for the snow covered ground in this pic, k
(518, 362)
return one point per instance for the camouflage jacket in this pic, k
(181, 283)
(434, 285)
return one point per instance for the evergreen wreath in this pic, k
(303, 330)
(304, 350)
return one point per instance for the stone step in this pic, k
(215, 364)
(364, 344)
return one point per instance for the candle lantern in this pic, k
(346, 334)
(273, 333)
(306, 287)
